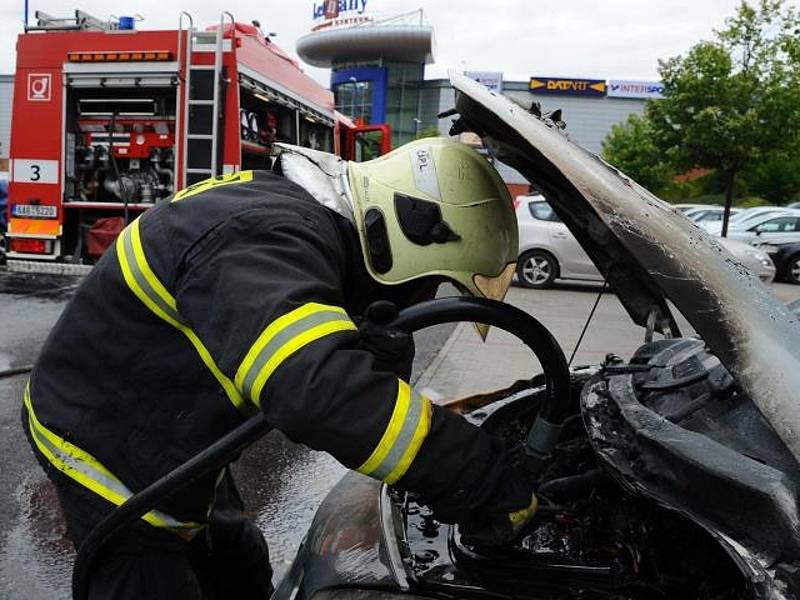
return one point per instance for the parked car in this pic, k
(793, 205)
(787, 260)
(548, 251)
(743, 218)
(768, 229)
(671, 473)
(684, 207)
(709, 214)
(755, 259)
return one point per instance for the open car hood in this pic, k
(649, 254)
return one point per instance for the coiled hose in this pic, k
(427, 314)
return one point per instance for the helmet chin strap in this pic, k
(322, 174)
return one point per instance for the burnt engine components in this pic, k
(592, 537)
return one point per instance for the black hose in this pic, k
(10, 372)
(532, 333)
(213, 458)
(571, 487)
(219, 454)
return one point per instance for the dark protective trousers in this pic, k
(229, 559)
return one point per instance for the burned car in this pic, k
(671, 473)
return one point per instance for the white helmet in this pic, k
(435, 207)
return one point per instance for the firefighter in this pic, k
(247, 292)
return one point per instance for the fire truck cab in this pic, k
(107, 120)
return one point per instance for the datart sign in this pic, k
(635, 89)
(331, 9)
(491, 79)
(562, 86)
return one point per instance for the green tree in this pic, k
(431, 131)
(630, 147)
(735, 100)
(776, 178)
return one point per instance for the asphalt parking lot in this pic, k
(282, 483)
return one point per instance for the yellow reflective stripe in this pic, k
(283, 337)
(407, 429)
(421, 431)
(83, 468)
(230, 389)
(144, 266)
(290, 348)
(144, 283)
(392, 429)
(213, 182)
(127, 262)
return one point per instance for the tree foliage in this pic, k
(733, 101)
(427, 132)
(630, 147)
(731, 105)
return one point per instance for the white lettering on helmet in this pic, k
(425, 172)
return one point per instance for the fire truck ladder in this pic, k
(201, 125)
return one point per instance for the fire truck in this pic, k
(108, 120)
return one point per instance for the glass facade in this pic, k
(402, 100)
(381, 91)
(354, 99)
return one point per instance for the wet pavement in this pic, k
(282, 483)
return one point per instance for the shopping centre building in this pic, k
(378, 64)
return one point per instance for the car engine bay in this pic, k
(706, 513)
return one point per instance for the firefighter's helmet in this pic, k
(436, 207)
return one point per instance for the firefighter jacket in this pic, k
(236, 296)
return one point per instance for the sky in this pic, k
(612, 39)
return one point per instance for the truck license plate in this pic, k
(34, 211)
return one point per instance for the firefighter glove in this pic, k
(393, 349)
(509, 509)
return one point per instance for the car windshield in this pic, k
(543, 211)
(779, 224)
(711, 215)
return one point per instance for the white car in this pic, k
(771, 228)
(743, 218)
(548, 251)
(709, 214)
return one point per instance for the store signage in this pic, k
(331, 9)
(562, 86)
(491, 79)
(635, 89)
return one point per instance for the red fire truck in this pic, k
(108, 120)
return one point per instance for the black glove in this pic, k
(512, 505)
(393, 349)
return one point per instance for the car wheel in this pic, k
(537, 269)
(793, 269)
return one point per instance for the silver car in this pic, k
(548, 251)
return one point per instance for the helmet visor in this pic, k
(495, 287)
